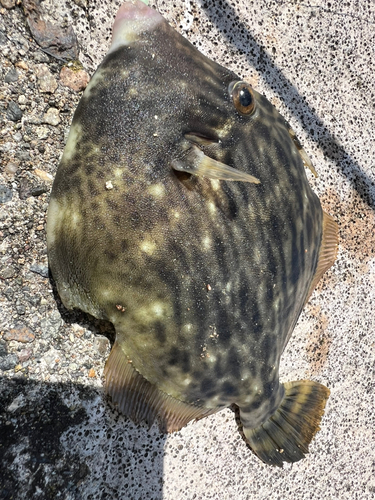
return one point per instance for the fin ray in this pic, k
(285, 436)
(142, 401)
(327, 252)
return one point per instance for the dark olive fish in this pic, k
(181, 212)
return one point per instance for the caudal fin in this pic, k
(285, 436)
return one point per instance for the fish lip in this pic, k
(201, 139)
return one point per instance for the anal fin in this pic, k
(140, 400)
(285, 436)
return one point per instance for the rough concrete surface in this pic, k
(59, 438)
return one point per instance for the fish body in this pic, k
(181, 212)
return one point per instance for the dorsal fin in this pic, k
(141, 401)
(328, 250)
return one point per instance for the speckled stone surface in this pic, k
(58, 437)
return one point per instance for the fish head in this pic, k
(194, 115)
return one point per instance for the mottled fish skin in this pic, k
(203, 279)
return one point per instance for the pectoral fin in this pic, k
(195, 162)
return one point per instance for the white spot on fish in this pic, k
(108, 185)
(215, 184)
(154, 311)
(157, 190)
(158, 309)
(105, 293)
(187, 327)
(59, 212)
(75, 218)
(212, 207)
(206, 243)
(148, 247)
(94, 81)
(74, 138)
(211, 359)
(52, 220)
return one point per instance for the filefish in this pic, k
(181, 212)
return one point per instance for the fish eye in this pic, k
(243, 97)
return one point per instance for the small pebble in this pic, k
(45, 176)
(8, 362)
(22, 65)
(39, 269)
(101, 345)
(17, 137)
(46, 81)
(8, 4)
(8, 272)
(11, 76)
(41, 57)
(6, 194)
(17, 402)
(14, 112)
(24, 355)
(76, 80)
(21, 333)
(21, 309)
(3, 349)
(42, 132)
(52, 117)
(23, 155)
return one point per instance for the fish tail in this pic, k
(285, 436)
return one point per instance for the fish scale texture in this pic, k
(316, 64)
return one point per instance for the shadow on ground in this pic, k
(237, 34)
(64, 441)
